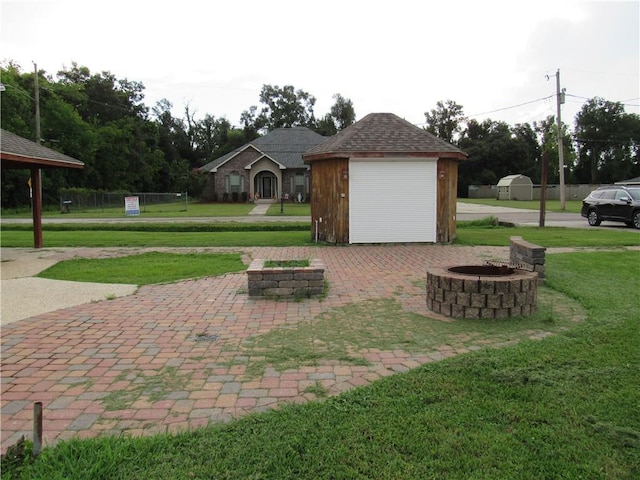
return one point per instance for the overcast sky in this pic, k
(399, 56)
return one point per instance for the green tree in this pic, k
(342, 114)
(608, 140)
(101, 98)
(495, 150)
(174, 142)
(446, 120)
(283, 107)
(547, 133)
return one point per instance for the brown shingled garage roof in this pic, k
(380, 135)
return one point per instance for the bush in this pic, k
(234, 196)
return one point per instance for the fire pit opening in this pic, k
(483, 270)
(481, 291)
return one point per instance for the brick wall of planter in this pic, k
(528, 255)
(285, 281)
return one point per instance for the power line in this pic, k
(621, 102)
(512, 106)
(499, 109)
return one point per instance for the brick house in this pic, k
(265, 168)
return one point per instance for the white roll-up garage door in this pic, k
(392, 201)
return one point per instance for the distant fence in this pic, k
(572, 192)
(74, 200)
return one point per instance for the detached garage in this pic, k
(384, 180)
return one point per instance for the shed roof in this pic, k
(380, 135)
(285, 146)
(18, 152)
(518, 179)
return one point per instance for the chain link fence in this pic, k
(74, 200)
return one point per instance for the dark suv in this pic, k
(614, 203)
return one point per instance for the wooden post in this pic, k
(37, 428)
(543, 190)
(36, 186)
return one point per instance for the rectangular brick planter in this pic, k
(285, 281)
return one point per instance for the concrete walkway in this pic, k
(17, 270)
(137, 364)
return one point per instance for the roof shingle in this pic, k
(378, 134)
(284, 145)
(18, 152)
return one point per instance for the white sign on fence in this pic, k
(132, 205)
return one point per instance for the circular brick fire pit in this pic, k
(481, 291)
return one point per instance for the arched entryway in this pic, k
(266, 185)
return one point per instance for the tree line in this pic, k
(129, 147)
(602, 148)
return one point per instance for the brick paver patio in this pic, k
(137, 364)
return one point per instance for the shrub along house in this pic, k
(265, 168)
(384, 180)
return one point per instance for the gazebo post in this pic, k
(36, 186)
(17, 152)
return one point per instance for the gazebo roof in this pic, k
(18, 152)
(383, 135)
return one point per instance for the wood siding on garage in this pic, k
(447, 198)
(392, 200)
(330, 200)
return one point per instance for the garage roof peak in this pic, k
(380, 135)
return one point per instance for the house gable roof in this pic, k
(383, 135)
(280, 166)
(285, 146)
(18, 152)
(212, 167)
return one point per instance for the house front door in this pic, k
(266, 185)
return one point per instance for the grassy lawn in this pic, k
(158, 235)
(178, 209)
(562, 407)
(571, 206)
(146, 268)
(283, 234)
(474, 234)
(290, 209)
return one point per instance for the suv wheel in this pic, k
(636, 219)
(594, 219)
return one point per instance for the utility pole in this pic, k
(560, 101)
(37, 99)
(36, 175)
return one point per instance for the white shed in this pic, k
(515, 187)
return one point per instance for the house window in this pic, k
(234, 183)
(299, 184)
